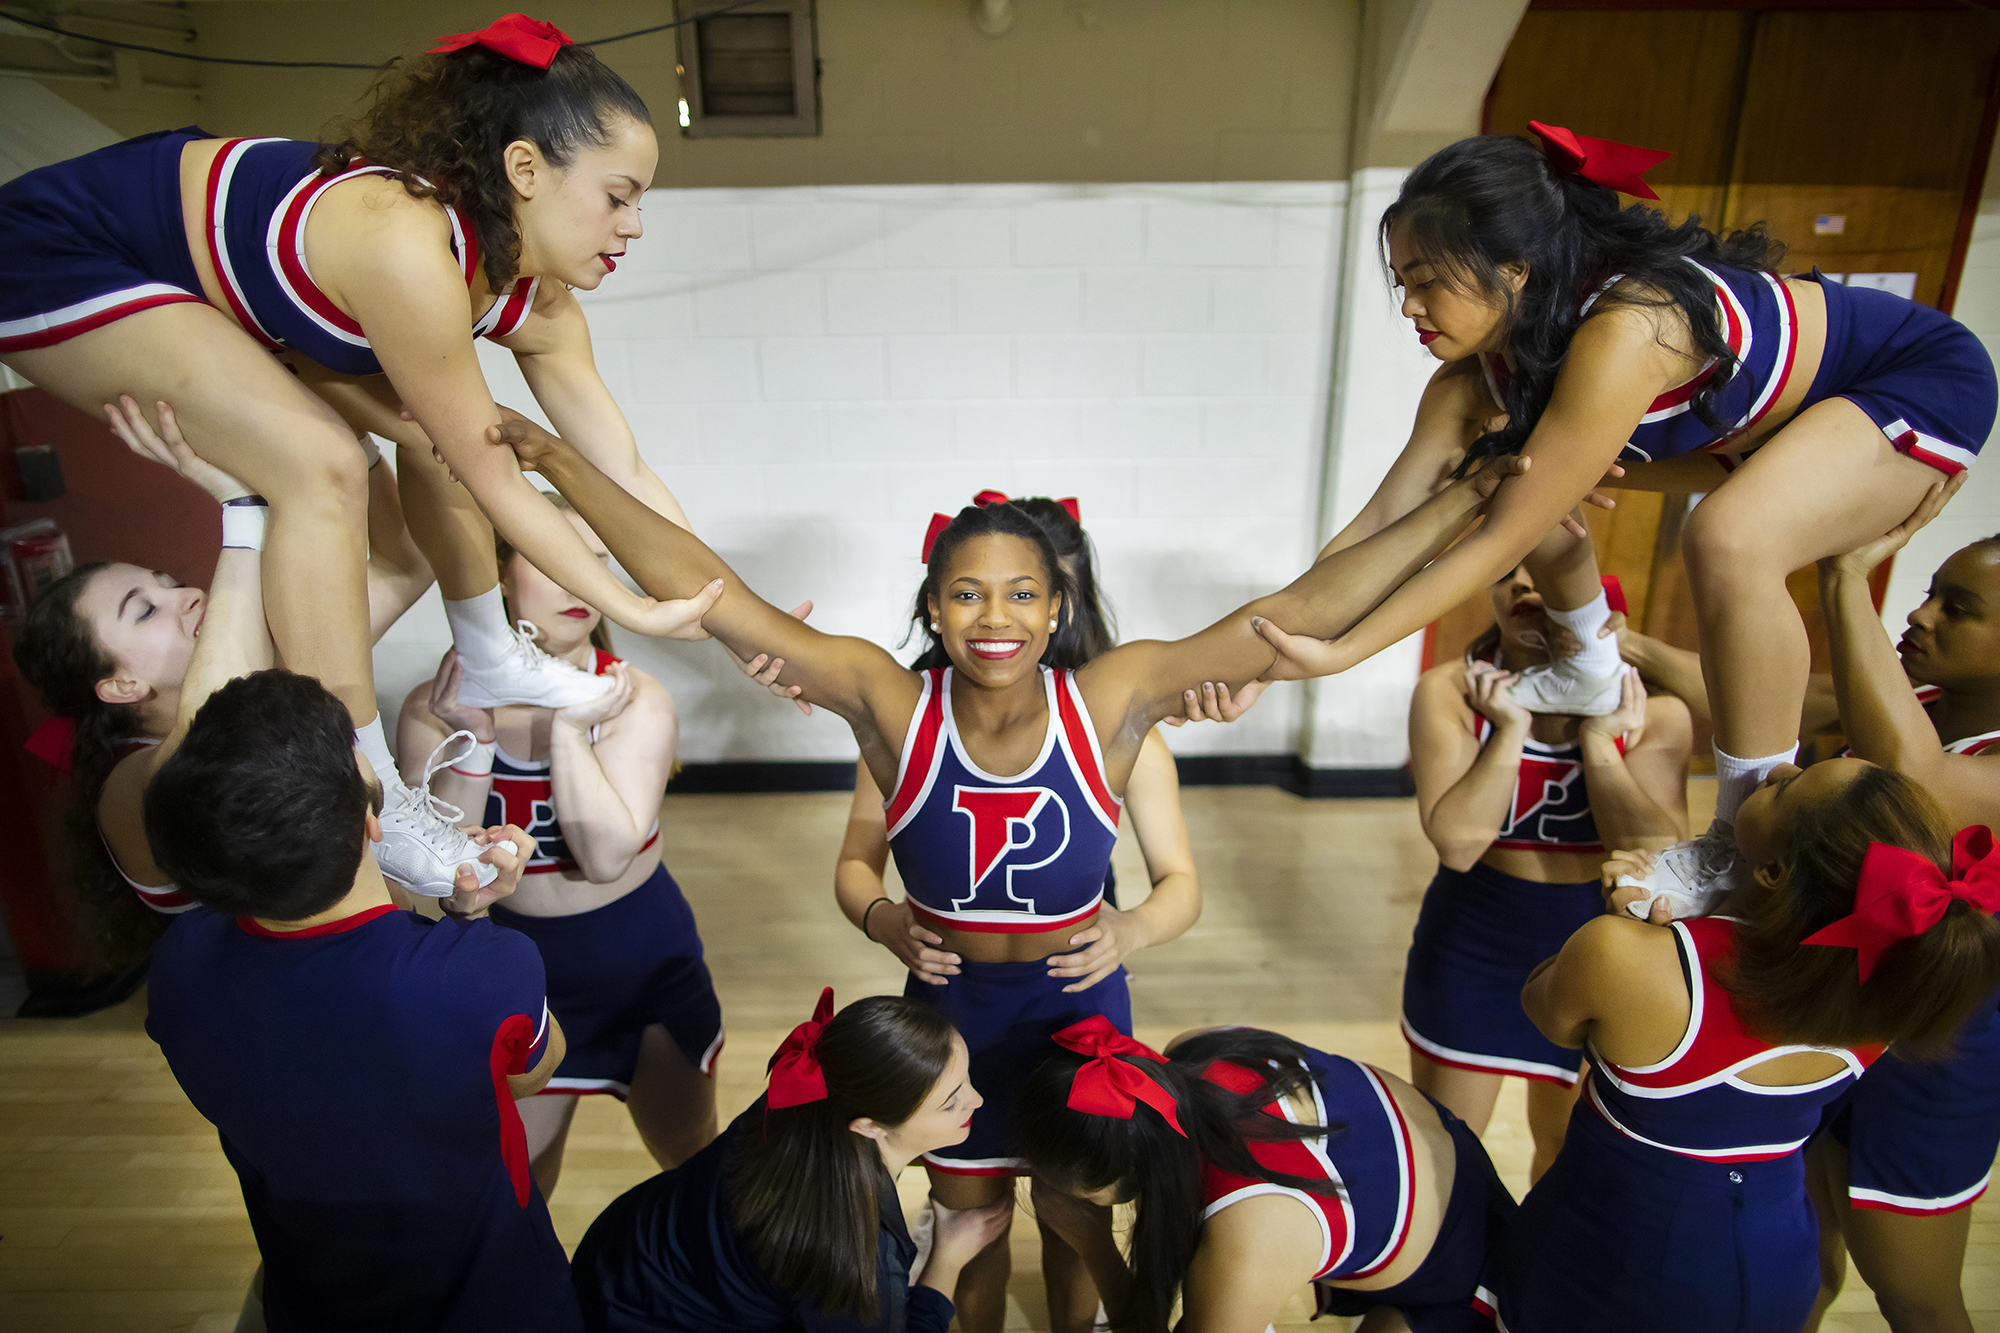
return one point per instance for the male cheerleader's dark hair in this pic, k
(263, 809)
(1066, 650)
(503, 551)
(1481, 204)
(1923, 987)
(444, 119)
(58, 652)
(805, 1191)
(1153, 1164)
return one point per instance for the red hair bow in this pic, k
(54, 742)
(796, 1077)
(516, 36)
(1106, 1085)
(1902, 895)
(1606, 162)
(939, 522)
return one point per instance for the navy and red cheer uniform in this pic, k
(1923, 378)
(1678, 1200)
(665, 1257)
(615, 969)
(1921, 1137)
(356, 1073)
(99, 237)
(1480, 931)
(1024, 853)
(1364, 1215)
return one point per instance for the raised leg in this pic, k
(448, 525)
(245, 413)
(981, 1298)
(671, 1101)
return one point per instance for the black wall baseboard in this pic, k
(1202, 770)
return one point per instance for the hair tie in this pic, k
(1106, 1085)
(1606, 162)
(1901, 895)
(516, 36)
(796, 1077)
(54, 742)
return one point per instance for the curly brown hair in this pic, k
(443, 120)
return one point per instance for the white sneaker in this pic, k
(1558, 687)
(421, 847)
(527, 675)
(1691, 877)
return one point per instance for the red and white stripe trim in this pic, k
(1757, 1152)
(1885, 1202)
(980, 1166)
(1004, 923)
(221, 172)
(1405, 1184)
(507, 314)
(53, 326)
(1946, 457)
(1079, 740)
(916, 770)
(1440, 1054)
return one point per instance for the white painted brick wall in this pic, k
(814, 371)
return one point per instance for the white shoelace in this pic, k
(433, 818)
(531, 653)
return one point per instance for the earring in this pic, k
(1052, 627)
(934, 627)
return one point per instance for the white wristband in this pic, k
(243, 523)
(478, 763)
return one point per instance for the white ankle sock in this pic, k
(1595, 657)
(374, 748)
(479, 629)
(1736, 778)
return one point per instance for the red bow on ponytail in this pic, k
(516, 36)
(796, 1077)
(1606, 162)
(54, 742)
(939, 522)
(1901, 895)
(1106, 1085)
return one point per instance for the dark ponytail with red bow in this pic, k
(1066, 650)
(1125, 1142)
(1480, 204)
(447, 115)
(806, 1191)
(58, 652)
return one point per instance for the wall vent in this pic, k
(752, 72)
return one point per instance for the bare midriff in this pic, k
(992, 946)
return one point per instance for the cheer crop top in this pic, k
(1756, 318)
(260, 192)
(1695, 1103)
(1367, 1162)
(524, 794)
(1928, 695)
(1011, 855)
(1550, 811)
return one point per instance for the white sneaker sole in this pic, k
(474, 695)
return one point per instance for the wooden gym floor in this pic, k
(119, 1215)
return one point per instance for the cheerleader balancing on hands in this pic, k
(1814, 416)
(172, 265)
(625, 969)
(1520, 807)
(790, 1222)
(1004, 774)
(1714, 1046)
(1259, 1165)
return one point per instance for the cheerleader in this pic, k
(1520, 807)
(625, 969)
(1004, 773)
(1678, 1200)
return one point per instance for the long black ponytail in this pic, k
(1487, 202)
(1067, 648)
(1159, 1170)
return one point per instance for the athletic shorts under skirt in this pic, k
(1921, 1137)
(1007, 1012)
(1439, 1296)
(1479, 934)
(614, 970)
(1622, 1238)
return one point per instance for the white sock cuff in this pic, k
(1588, 618)
(479, 628)
(374, 747)
(1736, 778)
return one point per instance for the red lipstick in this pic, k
(1428, 336)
